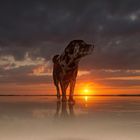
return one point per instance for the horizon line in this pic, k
(73, 95)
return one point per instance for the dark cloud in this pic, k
(117, 53)
(34, 21)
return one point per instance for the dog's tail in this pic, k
(55, 59)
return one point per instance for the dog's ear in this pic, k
(70, 48)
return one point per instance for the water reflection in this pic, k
(99, 118)
(64, 110)
(86, 101)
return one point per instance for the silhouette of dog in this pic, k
(65, 67)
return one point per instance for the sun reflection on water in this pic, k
(86, 101)
(86, 98)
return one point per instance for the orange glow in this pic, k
(85, 89)
(41, 71)
(38, 70)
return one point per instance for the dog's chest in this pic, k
(67, 63)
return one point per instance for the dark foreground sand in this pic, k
(91, 118)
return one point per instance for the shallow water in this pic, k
(91, 118)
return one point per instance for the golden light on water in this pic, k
(87, 91)
(86, 98)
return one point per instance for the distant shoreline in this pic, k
(122, 95)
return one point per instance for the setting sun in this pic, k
(87, 91)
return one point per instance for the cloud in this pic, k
(112, 78)
(9, 62)
(26, 71)
(32, 32)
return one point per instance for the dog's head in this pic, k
(78, 49)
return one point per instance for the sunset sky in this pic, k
(32, 32)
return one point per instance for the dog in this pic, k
(65, 67)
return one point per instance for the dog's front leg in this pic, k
(58, 91)
(63, 88)
(72, 86)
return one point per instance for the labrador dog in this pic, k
(65, 67)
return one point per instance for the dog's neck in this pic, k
(68, 62)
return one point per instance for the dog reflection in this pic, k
(64, 110)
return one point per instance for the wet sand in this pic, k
(91, 118)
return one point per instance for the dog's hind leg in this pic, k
(56, 83)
